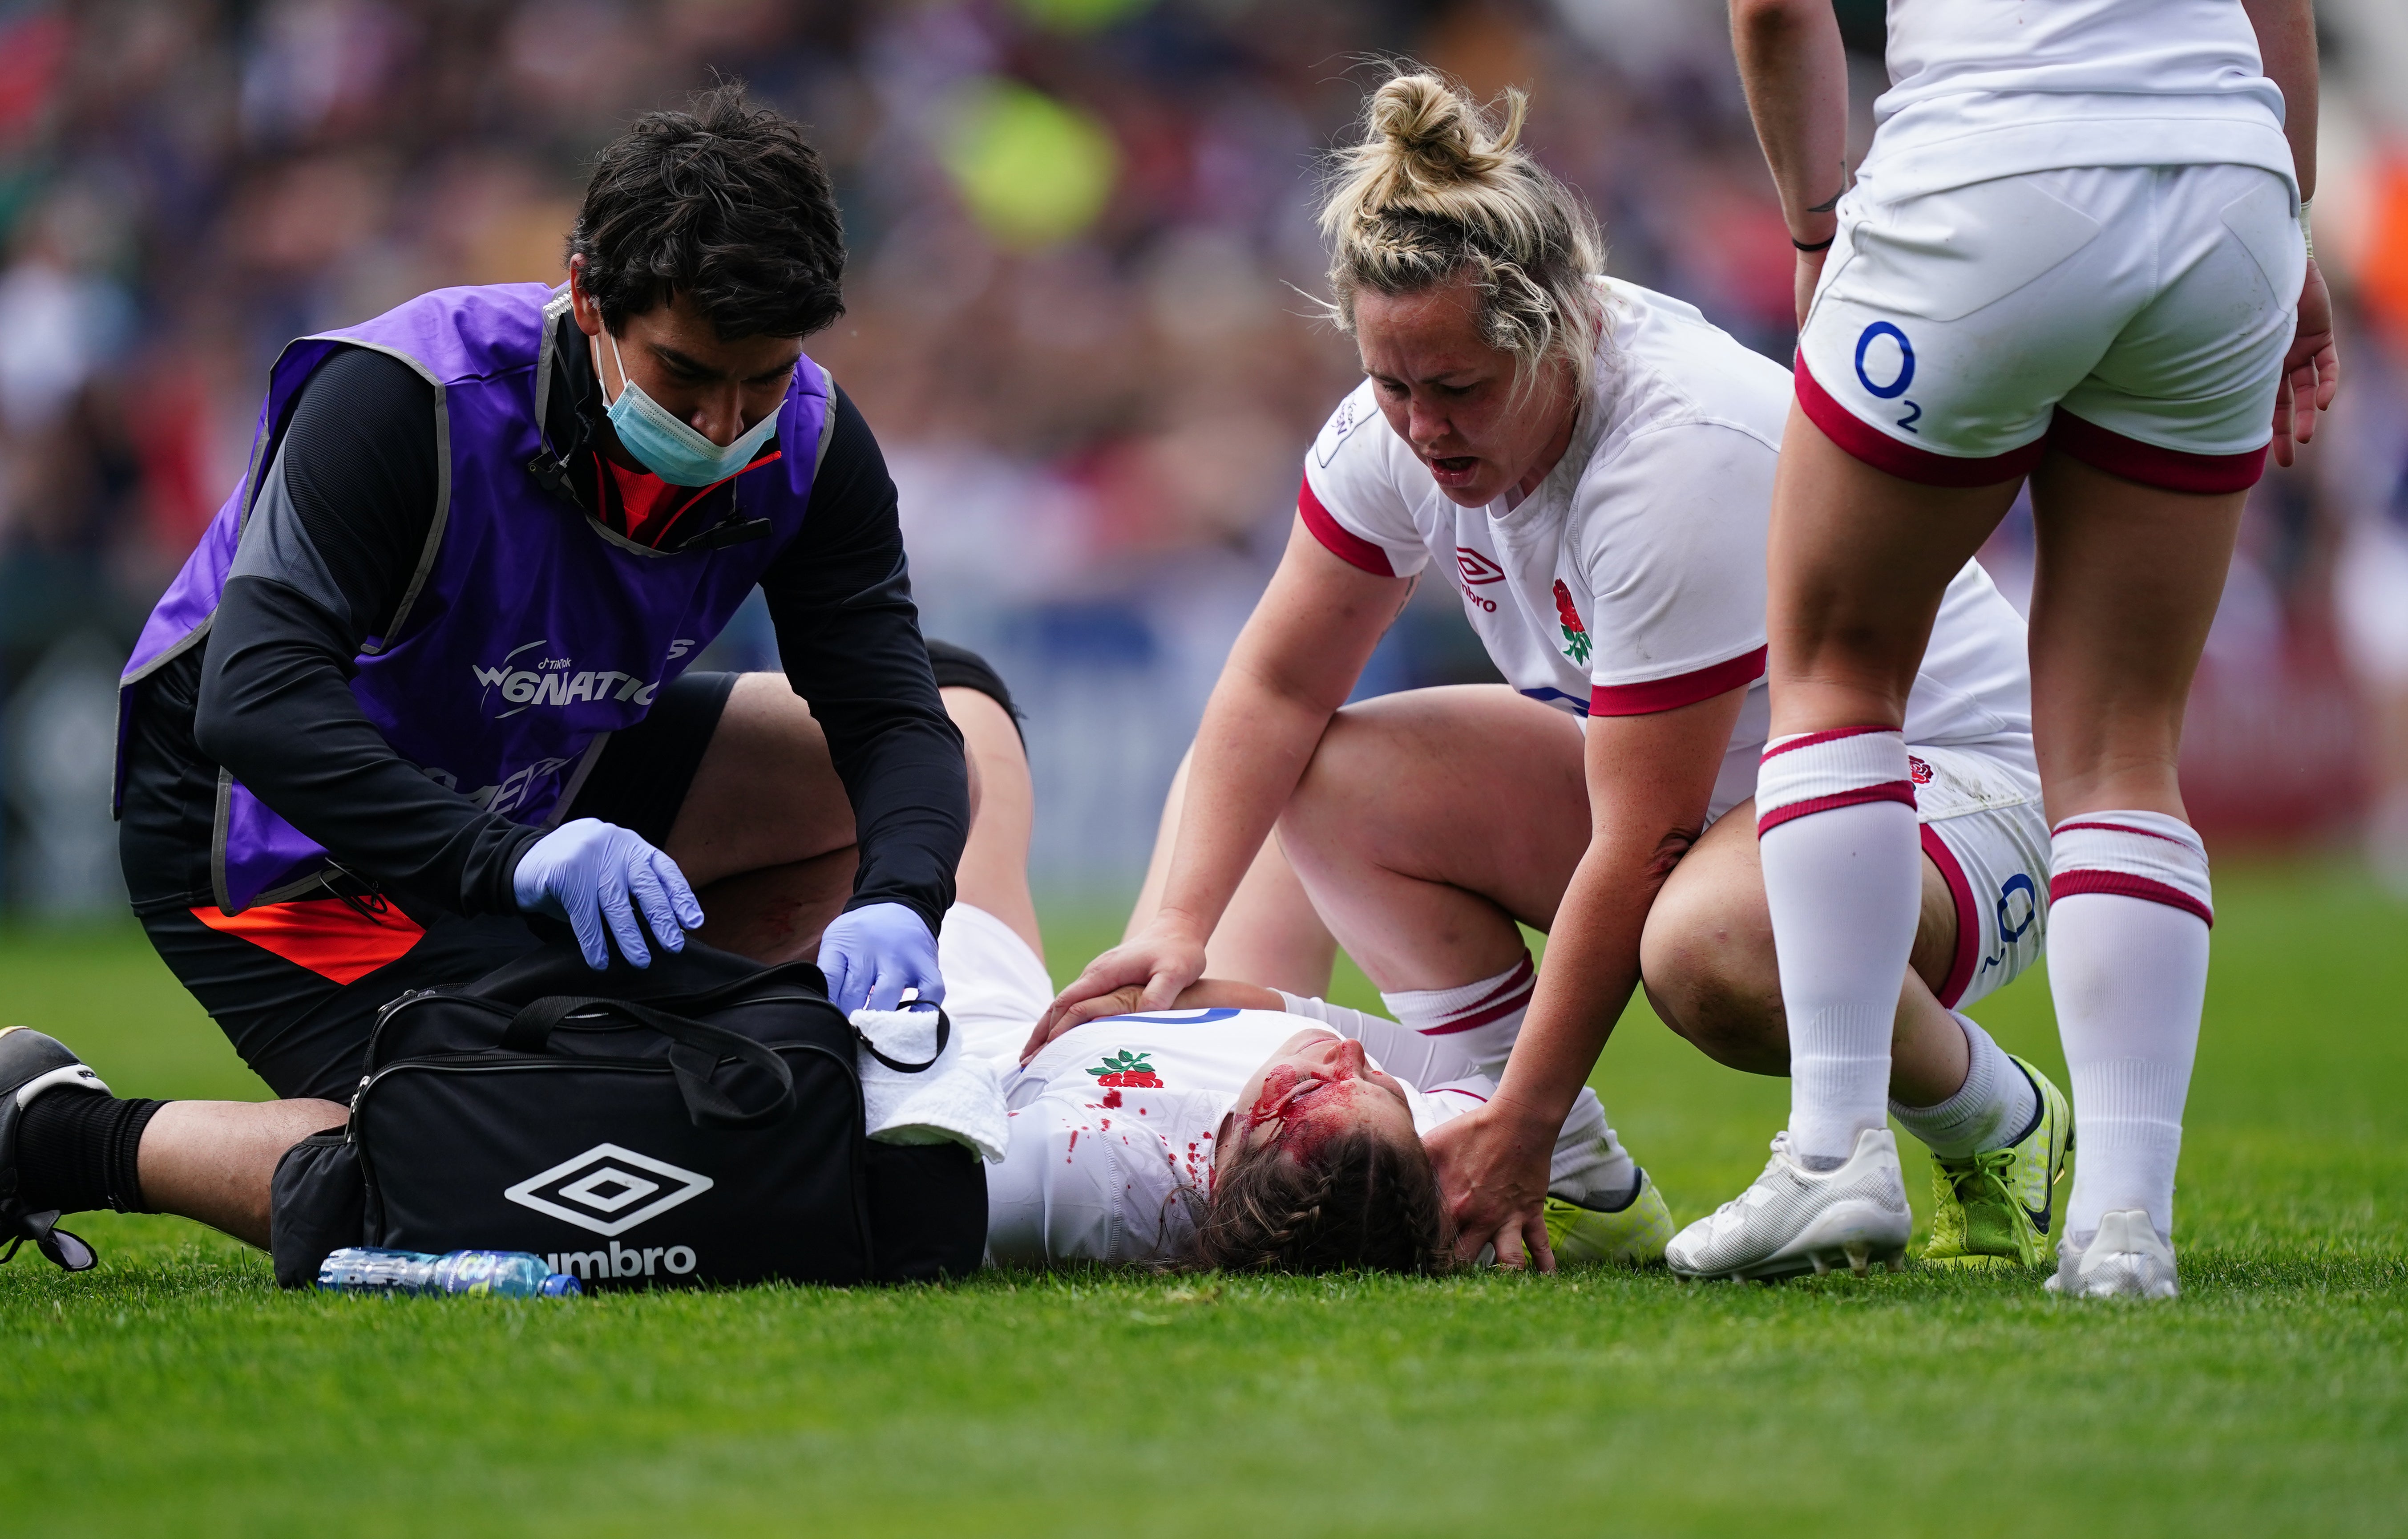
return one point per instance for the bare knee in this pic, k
(766, 793)
(1712, 978)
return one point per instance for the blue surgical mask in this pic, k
(670, 449)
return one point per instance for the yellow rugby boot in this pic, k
(1632, 1235)
(1992, 1209)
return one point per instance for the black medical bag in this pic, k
(699, 1122)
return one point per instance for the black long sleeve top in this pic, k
(337, 531)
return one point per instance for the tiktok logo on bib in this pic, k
(522, 682)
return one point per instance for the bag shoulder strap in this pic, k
(699, 1046)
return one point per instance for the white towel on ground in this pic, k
(957, 1100)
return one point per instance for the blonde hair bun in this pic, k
(1435, 189)
(1429, 138)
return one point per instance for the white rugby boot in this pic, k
(2126, 1258)
(1793, 1220)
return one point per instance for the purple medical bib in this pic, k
(529, 632)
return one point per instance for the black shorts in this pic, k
(304, 1032)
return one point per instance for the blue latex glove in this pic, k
(588, 871)
(873, 954)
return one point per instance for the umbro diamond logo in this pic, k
(608, 1189)
(1477, 568)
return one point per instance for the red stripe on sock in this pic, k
(1968, 918)
(2125, 884)
(2118, 829)
(1497, 1012)
(1834, 734)
(1895, 790)
(1520, 974)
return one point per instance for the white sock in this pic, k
(2129, 908)
(1590, 1166)
(1473, 1025)
(1843, 875)
(1990, 1111)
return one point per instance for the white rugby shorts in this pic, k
(994, 985)
(2132, 317)
(1985, 828)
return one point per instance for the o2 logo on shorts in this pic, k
(2011, 929)
(1896, 387)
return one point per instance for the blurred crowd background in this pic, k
(1082, 256)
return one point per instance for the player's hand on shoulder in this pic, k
(1149, 969)
(2310, 370)
(596, 875)
(1120, 1001)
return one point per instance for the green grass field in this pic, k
(176, 1390)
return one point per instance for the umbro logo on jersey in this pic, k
(608, 1189)
(1474, 571)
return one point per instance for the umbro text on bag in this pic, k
(696, 1123)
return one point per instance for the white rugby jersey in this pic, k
(1112, 1128)
(1632, 580)
(1981, 89)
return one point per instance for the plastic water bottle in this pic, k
(510, 1274)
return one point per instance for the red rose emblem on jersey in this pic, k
(1127, 1071)
(1917, 770)
(1576, 642)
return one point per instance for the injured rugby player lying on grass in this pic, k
(1255, 1130)
(1246, 1128)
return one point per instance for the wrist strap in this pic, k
(1822, 245)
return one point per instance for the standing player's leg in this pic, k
(2151, 458)
(1860, 559)
(1997, 1128)
(2127, 583)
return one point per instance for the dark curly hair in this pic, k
(1364, 1204)
(726, 203)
